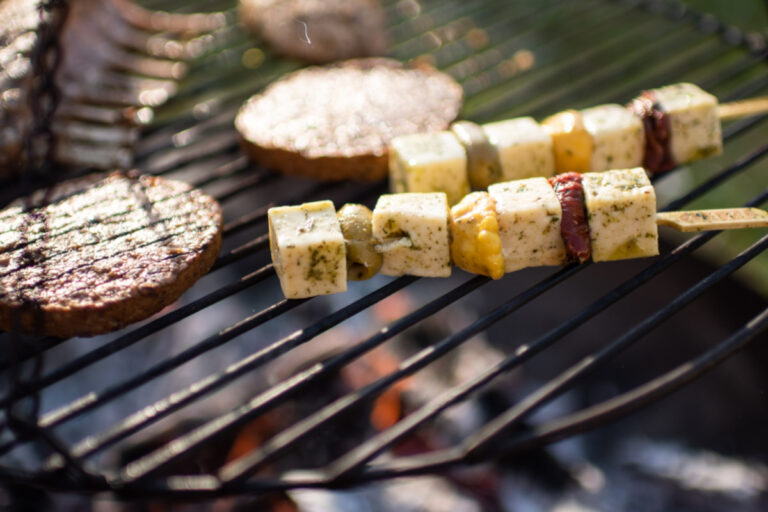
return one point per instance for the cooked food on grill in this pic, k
(117, 60)
(681, 125)
(659, 130)
(622, 214)
(529, 223)
(569, 217)
(92, 255)
(475, 239)
(318, 31)
(574, 227)
(356, 222)
(411, 231)
(429, 161)
(571, 142)
(336, 122)
(308, 250)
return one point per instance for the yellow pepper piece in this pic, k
(572, 142)
(475, 243)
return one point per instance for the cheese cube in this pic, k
(618, 136)
(621, 208)
(524, 148)
(411, 232)
(429, 162)
(694, 123)
(529, 216)
(308, 249)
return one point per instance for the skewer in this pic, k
(711, 220)
(744, 108)
(659, 130)
(599, 216)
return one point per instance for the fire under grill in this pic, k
(113, 413)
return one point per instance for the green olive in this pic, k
(362, 260)
(355, 220)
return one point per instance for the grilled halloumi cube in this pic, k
(529, 215)
(475, 241)
(411, 232)
(429, 162)
(694, 122)
(308, 249)
(618, 136)
(621, 208)
(524, 148)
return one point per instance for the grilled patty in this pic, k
(92, 255)
(318, 31)
(335, 122)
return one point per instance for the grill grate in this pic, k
(513, 58)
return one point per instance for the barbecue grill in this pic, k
(512, 58)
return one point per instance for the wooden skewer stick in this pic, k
(743, 108)
(710, 220)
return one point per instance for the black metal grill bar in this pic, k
(479, 444)
(243, 251)
(245, 466)
(140, 420)
(305, 429)
(644, 395)
(156, 468)
(222, 145)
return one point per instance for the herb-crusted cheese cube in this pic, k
(621, 208)
(308, 249)
(618, 135)
(429, 162)
(529, 216)
(524, 148)
(694, 123)
(411, 232)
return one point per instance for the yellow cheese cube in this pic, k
(308, 249)
(618, 136)
(529, 214)
(524, 148)
(621, 208)
(694, 123)
(475, 241)
(429, 162)
(411, 232)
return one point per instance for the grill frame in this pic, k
(66, 471)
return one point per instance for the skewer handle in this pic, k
(743, 108)
(709, 220)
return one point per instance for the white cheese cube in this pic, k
(524, 148)
(308, 249)
(694, 123)
(429, 162)
(411, 232)
(529, 216)
(618, 136)
(621, 208)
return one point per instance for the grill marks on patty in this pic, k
(103, 256)
(574, 226)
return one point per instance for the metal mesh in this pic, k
(513, 58)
